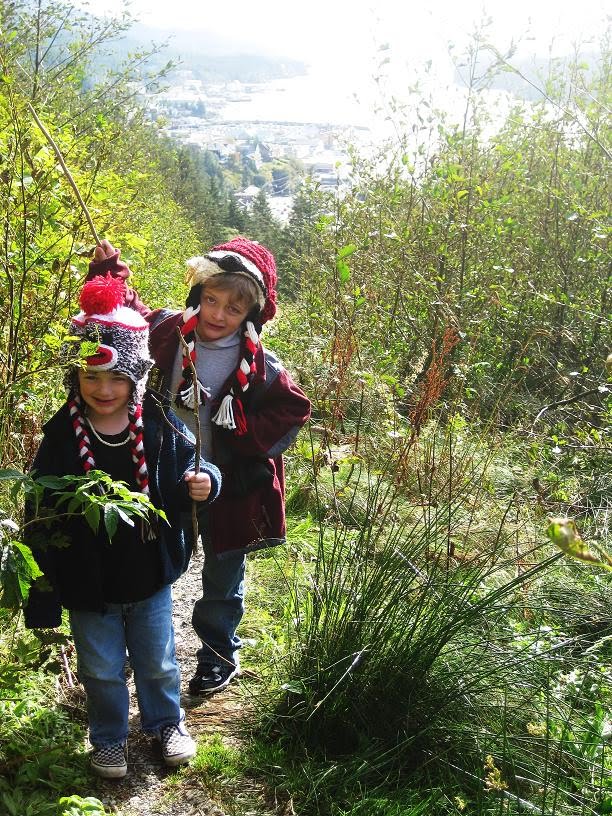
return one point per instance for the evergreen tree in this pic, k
(262, 225)
(308, 206)
(237, 218)
(197, 184)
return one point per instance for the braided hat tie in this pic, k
(253, 261)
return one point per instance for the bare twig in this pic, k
(175, 430)
(66, 668)
(67, 173)
(198, 432)
(568, 401)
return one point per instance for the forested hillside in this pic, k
(436, 636)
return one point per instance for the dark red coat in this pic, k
(250, 512)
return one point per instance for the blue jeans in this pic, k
(218, 612)
(145, 630)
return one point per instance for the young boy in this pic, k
(250, 411)
(118, 591)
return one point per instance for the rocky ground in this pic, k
(145, 791)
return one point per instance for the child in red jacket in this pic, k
(250, 411)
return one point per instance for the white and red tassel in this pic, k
(187, 395)
(225, 414)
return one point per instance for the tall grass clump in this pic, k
(423, 653)
(396, 647)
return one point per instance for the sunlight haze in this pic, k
(342, 30)
(359, 54)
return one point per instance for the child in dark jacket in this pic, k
(250, 411)
(118, 591)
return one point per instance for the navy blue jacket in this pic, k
(73, 571)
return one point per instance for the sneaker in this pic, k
(209, 679)
(110, 761)
(176, 745)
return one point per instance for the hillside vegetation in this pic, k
(422, 643)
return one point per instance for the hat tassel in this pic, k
(225, 414)
(187, 395)
(231, 415)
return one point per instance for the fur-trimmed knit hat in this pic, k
(123, 346)
(240, 256)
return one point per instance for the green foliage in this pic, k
(563, 533)
(93, 496)
(80, 806)
(497, 241)
(417, 647)
(42, 754)
(123, 169)
(17, 571)
(383, 806)
(261, 222)
(502, 237)
(214, 760)
(197, 182)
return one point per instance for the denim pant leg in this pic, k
(218, 612)
(150, 645)
(100, 645)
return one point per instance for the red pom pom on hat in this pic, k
(102, 295)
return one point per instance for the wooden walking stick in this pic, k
(198, 433)
(67, 173)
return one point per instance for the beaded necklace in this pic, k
(104, 442)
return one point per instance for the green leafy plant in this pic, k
(42, 753)
(93, 496)
(80, 806)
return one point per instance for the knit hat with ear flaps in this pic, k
(123, 346)
(239, 256)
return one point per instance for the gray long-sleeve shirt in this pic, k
(215, 362)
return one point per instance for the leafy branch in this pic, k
(94, 496)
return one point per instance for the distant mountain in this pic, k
(209, 57)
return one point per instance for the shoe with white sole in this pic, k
(177, 747)
(210, 678)
(110, 761)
